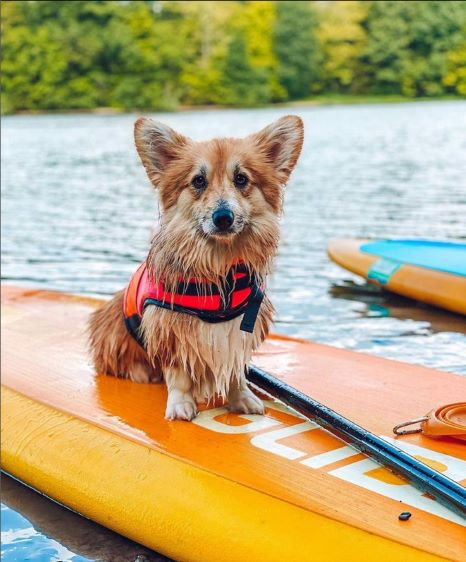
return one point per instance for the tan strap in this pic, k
(444, 421)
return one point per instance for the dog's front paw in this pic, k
(245, 402)
(183, 410)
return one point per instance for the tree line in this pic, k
(83, 54)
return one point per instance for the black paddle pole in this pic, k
(444, 489)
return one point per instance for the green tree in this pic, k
(256, 21)
(242, 83)
(81, 54)
(162, 46)
(343, 38)
(62, 54)
(296, 48)
(409, 42)
(201, 78)
(455, 78)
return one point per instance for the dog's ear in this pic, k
(281, 142)
(157, 145)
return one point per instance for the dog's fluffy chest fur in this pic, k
(214, 355)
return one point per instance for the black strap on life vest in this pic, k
(133, 325)
(252, 308)
(249, 308)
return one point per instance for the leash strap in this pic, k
(445, 421)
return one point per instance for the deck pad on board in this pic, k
(442, 256)
(280, 455)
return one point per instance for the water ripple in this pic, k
(78, 209)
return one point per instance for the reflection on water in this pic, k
(380, 303)
(39, 530)
(77, 212)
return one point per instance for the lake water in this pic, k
(77, 211)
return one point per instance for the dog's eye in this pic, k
(241, 180)
(199, 182)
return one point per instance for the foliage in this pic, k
(455, 77)
(343, 40)
(296, 47)
(410, 43)
(82, 54)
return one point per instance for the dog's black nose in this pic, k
(223, 218)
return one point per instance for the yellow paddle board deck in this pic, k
(225, 487)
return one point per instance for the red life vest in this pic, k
(197, 297)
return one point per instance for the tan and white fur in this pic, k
(245, 179)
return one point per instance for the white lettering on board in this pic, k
(268, 440)
(207, 420)
(359, 473)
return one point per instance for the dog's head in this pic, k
(224, 191)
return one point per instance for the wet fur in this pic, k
(197, 359)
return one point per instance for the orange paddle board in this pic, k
(428, 271)
(224, 487)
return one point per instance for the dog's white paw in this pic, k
(183, 410)
(245, 402)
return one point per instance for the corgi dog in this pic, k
(196, 309)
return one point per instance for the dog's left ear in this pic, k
(282, 142)
(157, 145)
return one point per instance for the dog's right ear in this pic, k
(157, 145)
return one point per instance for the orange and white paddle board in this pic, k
(430, 271)
(224, 487)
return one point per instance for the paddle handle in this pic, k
(444, 489)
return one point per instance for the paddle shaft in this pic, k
(446, 491)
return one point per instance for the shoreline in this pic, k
(317, 101)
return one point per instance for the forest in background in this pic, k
(161, 55)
